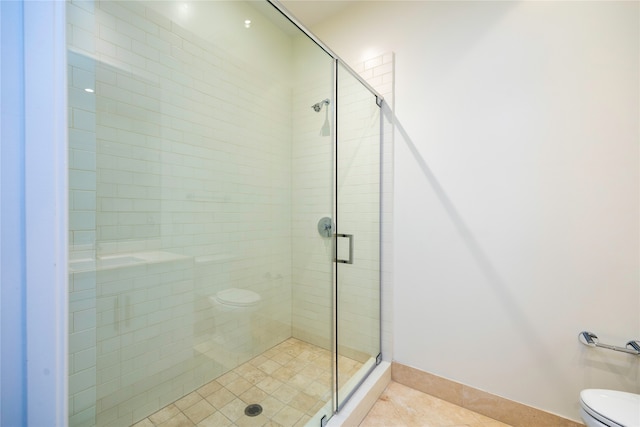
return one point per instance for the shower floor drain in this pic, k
(253, 410)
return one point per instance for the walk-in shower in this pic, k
(200, 288)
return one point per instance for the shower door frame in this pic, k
(338, 404)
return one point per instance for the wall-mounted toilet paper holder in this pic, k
(590, 339)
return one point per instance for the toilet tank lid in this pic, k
(618, 406)
(238, 297)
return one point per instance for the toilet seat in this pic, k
(237, 297)
(612, 408)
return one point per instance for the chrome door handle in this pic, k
(345, 261)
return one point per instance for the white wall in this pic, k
(33, 200)
(516, 189)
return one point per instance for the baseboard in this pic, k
(496, 407)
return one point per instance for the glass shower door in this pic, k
(357, 234)
(198, 170)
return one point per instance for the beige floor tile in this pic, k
(322, 364)
(383, 414)
(244, 369)
(418, 407)
(317, 390)
(490, 423)
(209, 388)
(227, 378)
(258, 360)
(316, 407)
(144, 423)
(484, 421)
(401, 406)
(300, 381)
(269, 385)
(234, 409)
(288, 416)
(271, 353)
(271, 406)
(283, 374)
(282, 358)
(255, 376)
(309, 355)
(303, 402)
(179, 420)
(187, 401)
(286, 344)
(314, 371)
(199, 411)
(220, 398)
(285, 393)
(302, 421)
(296, 365)
(217, 419)
(239, 386)
(294, 351)
(257, 421)
(269, 366)
(325, 379)
(164, 414)
(253, 395)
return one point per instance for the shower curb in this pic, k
(364, 398)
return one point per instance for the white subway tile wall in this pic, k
(313, 197)
(181, 154)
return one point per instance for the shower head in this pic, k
(318, 106)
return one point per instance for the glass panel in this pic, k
(358, 226)
(198, 173)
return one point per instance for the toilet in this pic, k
(232, 309)
(609, 408)
(235, 300)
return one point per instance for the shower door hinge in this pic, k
(378, 359)
(323, 421)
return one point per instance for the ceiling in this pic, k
(311, 12)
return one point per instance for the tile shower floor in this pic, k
(291, 382)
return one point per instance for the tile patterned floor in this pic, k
(401, 406)
(291, 381)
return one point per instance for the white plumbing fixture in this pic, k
(609, 408)
(232, 309)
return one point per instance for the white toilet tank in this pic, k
(609, 408)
